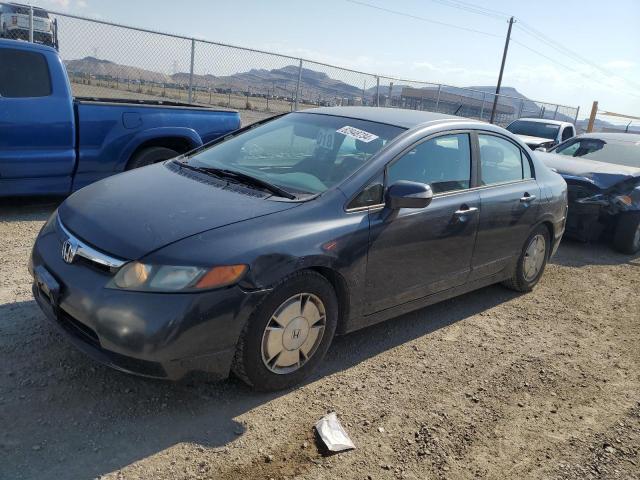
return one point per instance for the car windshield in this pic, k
(534, 129)
(618, 152)
(301, 153)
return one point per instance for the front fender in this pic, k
(154, 134)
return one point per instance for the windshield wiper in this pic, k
(242, 178)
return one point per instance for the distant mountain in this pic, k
(315, 85)
(106, 69)
(280, 81)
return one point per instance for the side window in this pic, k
(501, 161)
(567, 133)
(23, 74)
(370, 195)
(443, 162)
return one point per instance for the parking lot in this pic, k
(489, 385)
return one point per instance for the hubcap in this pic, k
(293, 333)
(534, 257)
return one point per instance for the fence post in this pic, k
(298, 85)
(575, 120)
(484, 96)
(377, 91)
(521, 108)
(193, 54)
(30, 23)
(555, 114)
(438, 97)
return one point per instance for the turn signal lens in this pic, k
(221, 276)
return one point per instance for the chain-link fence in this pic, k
(106, 60)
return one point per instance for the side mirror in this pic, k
(541, 149)
(404, 194)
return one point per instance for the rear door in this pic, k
(509, 198)
(36, 122)
(415, 252)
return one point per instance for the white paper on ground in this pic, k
(332, 434)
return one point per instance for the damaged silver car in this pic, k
(602, 171)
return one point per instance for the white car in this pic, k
(14, 24)
(541, 133)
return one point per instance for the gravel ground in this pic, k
(489, 385)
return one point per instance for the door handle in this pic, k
(465, 211)
(527, 198)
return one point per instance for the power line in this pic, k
(561, 64)
(529, 30)
(423, 19)
(469, 7)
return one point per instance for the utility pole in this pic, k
(504, 59)
(592, 117)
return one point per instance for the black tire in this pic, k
(519, 282)
(150, 155)
(626, 238)
(248, 364)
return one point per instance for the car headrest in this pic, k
(491, 154)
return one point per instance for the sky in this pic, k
(427, 40)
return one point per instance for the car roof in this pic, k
(545, 120)
(613, 136)
(390, 116)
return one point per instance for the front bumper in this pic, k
(160, 335)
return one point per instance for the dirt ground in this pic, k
(489, 385)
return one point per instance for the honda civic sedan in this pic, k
(251, 253)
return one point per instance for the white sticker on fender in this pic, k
(358, 134)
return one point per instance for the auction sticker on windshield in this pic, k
(358, 134)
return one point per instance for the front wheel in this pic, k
(626, 238)
(288, 334)
(531, 262)
(151, 155)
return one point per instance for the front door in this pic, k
(417, 252)
(36, 125)
(509, 199)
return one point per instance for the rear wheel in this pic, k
(531, 262)
(150, 155)
(626, 238)
(288, 334)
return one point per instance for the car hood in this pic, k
(134, 213)
(533, 140)
(601, 174)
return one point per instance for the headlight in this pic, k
(624, 199)
(171, 278)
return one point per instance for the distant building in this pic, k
(431, 99)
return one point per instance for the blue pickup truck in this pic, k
(54, 144)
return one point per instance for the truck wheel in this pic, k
(626, 238)
(531, 262)
(288, 334)
(150, 155)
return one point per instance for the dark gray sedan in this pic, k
(250, 254)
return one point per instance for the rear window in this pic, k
(534, 129)
(24, 11)
(23, 74)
